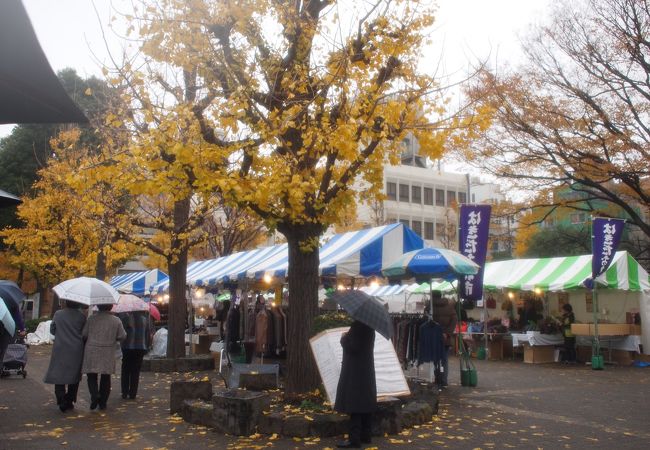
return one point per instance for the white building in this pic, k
(425, 198)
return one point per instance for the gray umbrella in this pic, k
(10, 291)
(364, 308)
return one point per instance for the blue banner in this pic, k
(474, 229)
(605, 236)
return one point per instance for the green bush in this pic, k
(32, 324)
(330, 320)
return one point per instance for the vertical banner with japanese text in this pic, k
(474, 228)
(605, 236)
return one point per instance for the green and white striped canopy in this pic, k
(564, 273)
(424, 288)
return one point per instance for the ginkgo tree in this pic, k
(287, 105)
(66, 232)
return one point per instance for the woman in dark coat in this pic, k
(356, 393)
(67, 354)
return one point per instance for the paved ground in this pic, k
(515, 405)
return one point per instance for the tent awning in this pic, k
(226, 268)
(29, 89)
(137, 283)
(356, 253)
(7, 199)
(564, 273)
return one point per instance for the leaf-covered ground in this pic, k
(515, 405)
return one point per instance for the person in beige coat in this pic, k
(101, 332)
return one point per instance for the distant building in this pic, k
(426, 198)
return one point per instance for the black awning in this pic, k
(7, 199)
(30, 91)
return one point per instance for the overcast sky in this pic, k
(70, 33)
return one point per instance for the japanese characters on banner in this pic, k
(606, 234)
(474, 228)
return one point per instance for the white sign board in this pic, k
(328, 353)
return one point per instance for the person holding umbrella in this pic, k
(101, 332)
(356, 393)
(67, 354)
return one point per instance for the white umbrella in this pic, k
(88, 291)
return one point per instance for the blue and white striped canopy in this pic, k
(137, 283)
(226, 268)
(382, 291)
(356, 253)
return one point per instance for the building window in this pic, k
(451, 198)
(428, 196)
(416, 194)
(428, 231)
(462, 198)
(440, 230)
(403, 192)
(405, 222)
(577, 218)
(391, 191)
(416, 225)
(440, 197)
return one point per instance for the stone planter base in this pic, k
(241, 412)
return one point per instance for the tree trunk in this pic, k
(177, 266)
(100, 265)
(302, 373)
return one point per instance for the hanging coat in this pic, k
(357, 387)
(102, 331)
(68, 349)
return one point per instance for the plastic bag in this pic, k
(159, 343)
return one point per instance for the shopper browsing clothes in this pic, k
(67, 354)
(102, 331)
(444, 313)
(356, 393)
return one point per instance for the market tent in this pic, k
(226, 268)
(356, 253)
(137, 283)
(29, 89)
(564, 273)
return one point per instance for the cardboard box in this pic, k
(539, 354)
(495, 349)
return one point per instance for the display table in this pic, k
(538, 347)
(619, 341)
(535, 338)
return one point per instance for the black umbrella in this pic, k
(7, 199)
(364, 308)
(29, 89)
(10, 291)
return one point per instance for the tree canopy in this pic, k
(575, 114)
(280, 107)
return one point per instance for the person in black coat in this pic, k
(356, 393)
